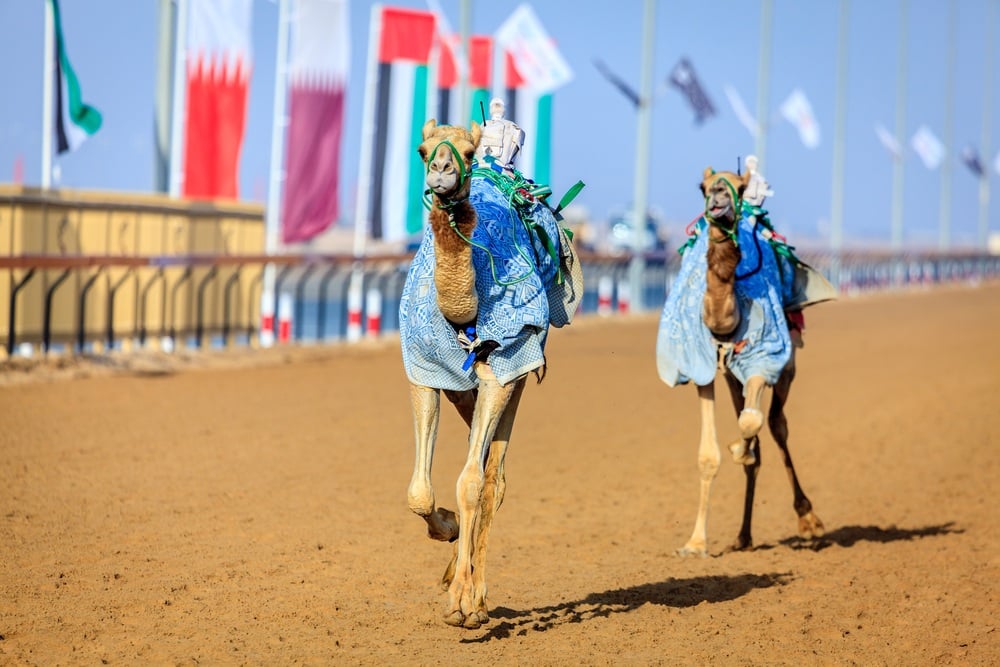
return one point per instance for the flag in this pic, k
(928, 147)
(618, 83)
(449, 66)
(740, 109)
(539, 64)
(391, 174)
(532, 69)
(218, 62)
(74, 120)
(797, 111)
(318, 65)
(889, 142)
(480, 78)
(970, 157)
(683, 78)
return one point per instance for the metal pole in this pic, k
(161, 120)
(985, 150)
(641, 192)
(839, 140)
(897, 167)
(48, 82)
(178, 99)
(465, 29)
(944, 214)
(278, 125)
(764, 83)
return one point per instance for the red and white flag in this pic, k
(217, 54)
(797, 111)
(319, 60)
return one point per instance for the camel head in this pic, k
(448, 152)
(723, 192)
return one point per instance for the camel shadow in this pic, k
(679, 593)
(848, 536)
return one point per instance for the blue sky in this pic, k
(113, 47)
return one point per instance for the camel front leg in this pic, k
(752, 417)
(441, 523)
(746, 452)
(490, 407)
(708, 466)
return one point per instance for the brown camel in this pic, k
(722, 315)
(489, 406)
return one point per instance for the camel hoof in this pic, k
(741, 544)
(751, 420)
(741, 454)
(472, 621)
(687, 551)
(442, 525)
(810, 526)
(455, 618)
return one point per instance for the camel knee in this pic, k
(420, 498)
(708, 465)
(470, 487)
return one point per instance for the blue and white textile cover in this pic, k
(516, 316)
(685, 348)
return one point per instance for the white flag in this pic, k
(797, 111)
(740, 109)
(538, 62)
(928, 147)
(889, 142)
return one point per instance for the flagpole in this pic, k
(897, 166)
(48, 83)
(764, 83)
(164, 83)
(984, 179)
(177, 103)
(464, 23)
(944, 213)
(839, 142)
(641, 192)
(279, 123)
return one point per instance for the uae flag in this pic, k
(480, 78)
(217, 55)
(531, 109)
(317, 69)
(446, 66)
(390, 204)
(74, 120)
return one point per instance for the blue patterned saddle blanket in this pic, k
(523, 261)
(685, 348)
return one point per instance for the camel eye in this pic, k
(423, 153)
(469, 154)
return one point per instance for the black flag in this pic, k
(685, 80)
(618, 83)
(970, 156)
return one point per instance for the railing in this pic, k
(312, 298)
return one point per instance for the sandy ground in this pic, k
(251, 508)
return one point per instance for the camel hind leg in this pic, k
(491, 404)
(810, 525)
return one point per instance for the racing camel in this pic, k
(493, 271)
(735, 307)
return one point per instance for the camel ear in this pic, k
(477, 133)
(708, 172)
(429, 128)
(744, 182)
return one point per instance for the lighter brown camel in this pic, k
(488, 410)
(721, 314)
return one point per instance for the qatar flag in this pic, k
(217, 56)
(318, 66)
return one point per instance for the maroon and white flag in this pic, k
(218, 77)
(319, 60)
